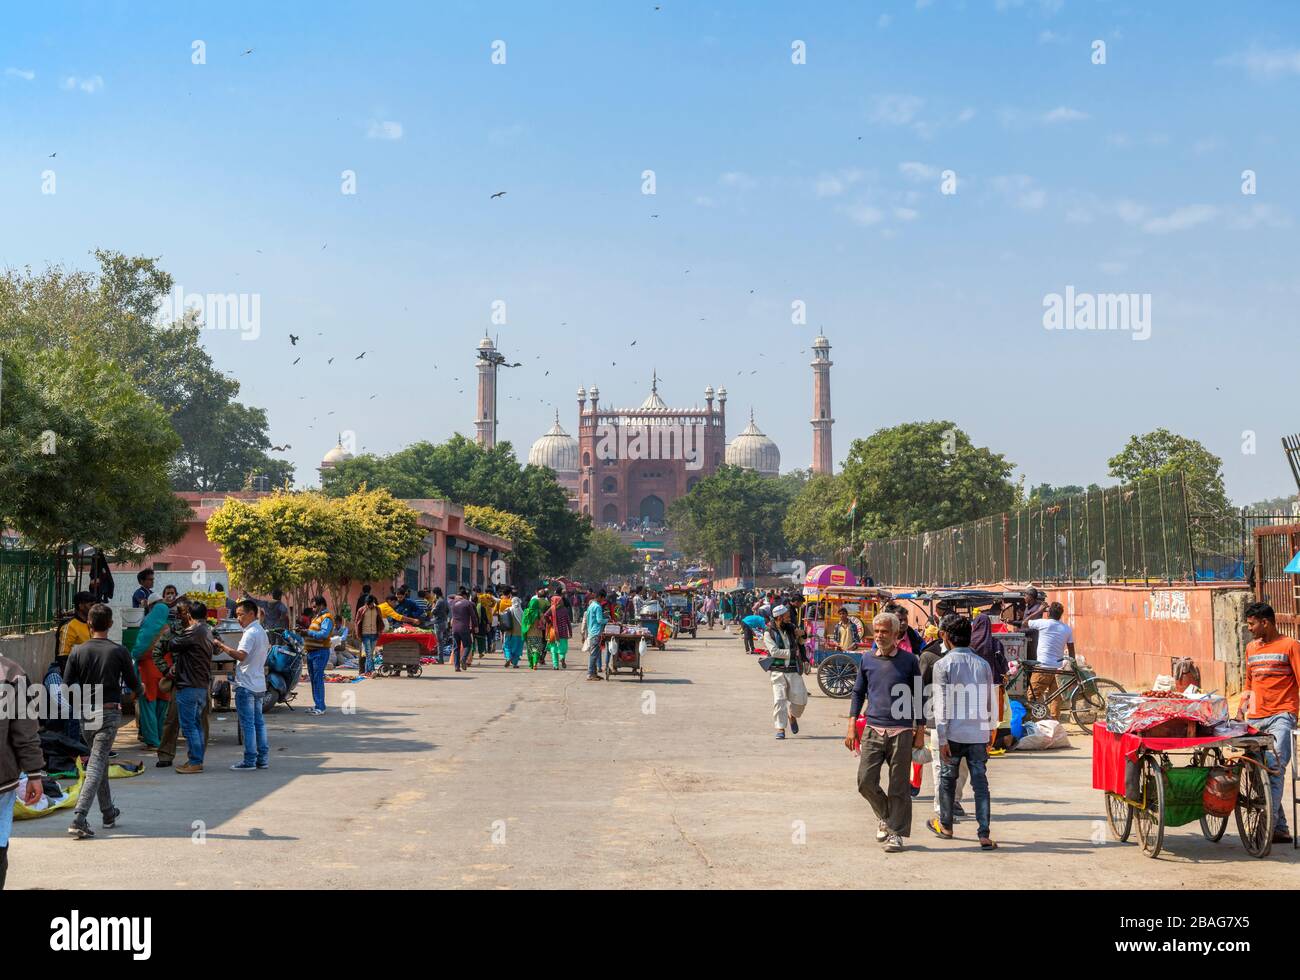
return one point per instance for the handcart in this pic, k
(399, 652)
(1226, 774)
(625, 646)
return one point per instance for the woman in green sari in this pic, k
(534, 637)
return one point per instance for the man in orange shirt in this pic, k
(1271, 699)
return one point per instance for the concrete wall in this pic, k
(31, 651)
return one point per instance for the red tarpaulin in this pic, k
(429, 641)
(1109, 753)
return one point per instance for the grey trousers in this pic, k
(893, 753)
(96, 784)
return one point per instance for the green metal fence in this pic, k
(1137, 533)
(33, 588)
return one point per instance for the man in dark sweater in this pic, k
(97, 671)
(888, 695)
(191, 673)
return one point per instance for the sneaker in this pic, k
(111, 818)
(882, 832)
(242, 767)
(163, 763)
(1282, 836)
(187, 770)
(80, 830)
(794, 726)
(315, 711)
(893, 844)
(781, 733)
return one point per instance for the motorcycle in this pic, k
(283, 668)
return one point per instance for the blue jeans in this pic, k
(248, 704)
(7, 814)
(316, 661)
(189, 713)
(976, 755)
(1280, 727)
(594, 661)
(367, 652)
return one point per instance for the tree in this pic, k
(309, 544)
(733, 511)
(607, 559)
(115, 312)
(1045, 493)
(83, 454)
(467, 474)
(1162, 453)
(921, 476)
(817, 523)
(525, 552)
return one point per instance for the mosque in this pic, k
(628, 465)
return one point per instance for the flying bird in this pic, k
(371, 398)
(330, 361)
(296, 360)
(293, 339)
(325, 246)
(249, 51)
(496, 195)
(633, 344)
(280, 449)
(54, 154)
(359, 356)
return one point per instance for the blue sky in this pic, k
(815, 182)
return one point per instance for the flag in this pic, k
(853, 508)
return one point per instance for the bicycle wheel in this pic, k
(1255, 810)
(1150, 817)
(837, 674)
(1119, 817)
(1212, 827)
(1088, 704)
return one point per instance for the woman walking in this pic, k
(559, 627)
(533, 629)
(369, 626)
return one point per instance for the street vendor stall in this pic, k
(404, 649)
(1227, 772)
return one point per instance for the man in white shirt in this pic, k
(1055, 638)
(250, 686)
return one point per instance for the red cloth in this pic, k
(1109, 753)
(427, 640)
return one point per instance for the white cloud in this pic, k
(833, 185)
(1180, 219)
(1265, 215)
(906, 214)
(1265, 64)
(896, 110)
(506, 135)
(1020, 190)
(384, 130)
(966, 115)
(26, 74)
(1064, 114)
(1131, 212)
(1050, 37)
(737, 179)
(704, 201)
(89, 85)
(1044, 6)
(864, 214)
(915, 171)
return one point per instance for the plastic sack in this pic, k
(1046, 734)
(69, 799)
(1018, 713)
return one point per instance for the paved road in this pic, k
(508, 778)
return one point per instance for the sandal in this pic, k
(988, 844)
(936, 828)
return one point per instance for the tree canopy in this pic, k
(733, 511)
(114, 312)
(83, 455)
(465, 473)
(607, 560)
(1162, 453)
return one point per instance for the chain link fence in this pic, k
(1142, 532)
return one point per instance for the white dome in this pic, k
(752, 450)
(557, 451)
(335, 456)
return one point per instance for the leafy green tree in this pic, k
(114, 312)
(1045, 493)
(607, 560)
(733, 511)
(922, 476)
(1163, 453)
(465, 473)
(83, 454)
(526, 554)
(817, 523)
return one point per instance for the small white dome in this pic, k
(486, 344)
(335, 456)
(821, 343)
(752, 450)
(557, 451)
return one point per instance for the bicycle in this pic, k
(1083, 691)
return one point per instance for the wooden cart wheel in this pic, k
(1150, 817)
(414, 671)
(837, 674)
(1119, 816)
(1212, 827)
(1254, 809)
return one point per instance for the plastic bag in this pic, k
(1046, 734)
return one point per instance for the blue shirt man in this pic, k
(593, 624)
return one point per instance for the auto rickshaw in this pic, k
(679, 609)
(837, 669)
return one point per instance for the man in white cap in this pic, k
(786, 663)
